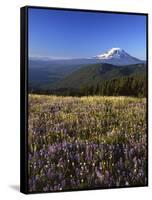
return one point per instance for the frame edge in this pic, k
(23, 101)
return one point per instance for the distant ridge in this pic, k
(95, 73)
(48, 73)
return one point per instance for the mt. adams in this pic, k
(117, 56)
(114, 56)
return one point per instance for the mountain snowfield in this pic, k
(117, 56)
(113, 53)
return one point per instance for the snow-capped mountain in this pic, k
(117, 56)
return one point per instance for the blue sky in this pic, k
(62, 34)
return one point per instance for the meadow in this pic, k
(86, 142)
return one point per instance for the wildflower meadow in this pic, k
(86, 142)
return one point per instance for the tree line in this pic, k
(124, 86)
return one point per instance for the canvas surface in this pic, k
(87, 100)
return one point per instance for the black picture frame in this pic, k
(24, 92)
